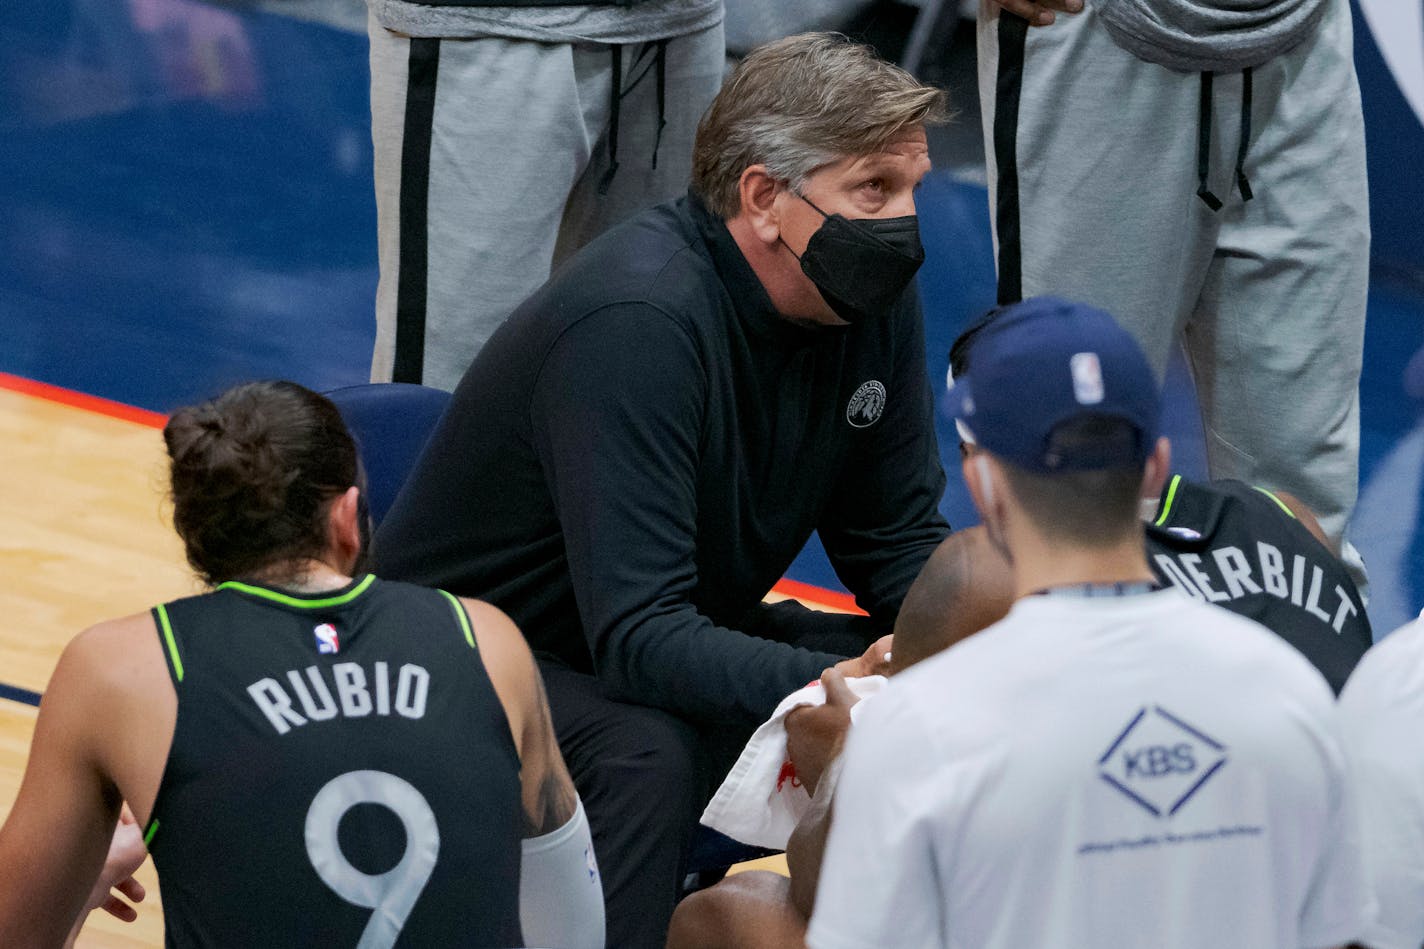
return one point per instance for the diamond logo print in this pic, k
(1159, 761)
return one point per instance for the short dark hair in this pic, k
(1091, 508)
(965, 586)
(252, 473)
(959, 349)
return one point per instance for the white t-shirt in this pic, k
(1124, 771)
(1382, 717)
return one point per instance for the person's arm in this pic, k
(794, 623)
(560, 891)
(815, 735)
(965, 586)
(617, 421)
(53, 844)
(806, 847)
(879, 882)
(883, 520)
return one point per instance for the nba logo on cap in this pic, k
(327, 642)
(1087, 378)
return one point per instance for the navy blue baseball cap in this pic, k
(1045, 361)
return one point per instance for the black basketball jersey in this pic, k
(1241, 547)
(342, 773)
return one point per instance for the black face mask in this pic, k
(862, 265)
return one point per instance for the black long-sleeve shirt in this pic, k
(638, 454)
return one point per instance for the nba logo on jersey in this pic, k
(327, 642)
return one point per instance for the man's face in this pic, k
(879, 185)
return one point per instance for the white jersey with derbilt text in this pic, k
(1128, 771)
(1382, 715)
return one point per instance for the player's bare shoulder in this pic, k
(508, 662)
(113, 660)
(498, 638)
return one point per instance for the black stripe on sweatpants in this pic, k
(1013, 33)
(414, 210)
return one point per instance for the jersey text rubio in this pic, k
(357, 695)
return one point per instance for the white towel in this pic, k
(761, 800)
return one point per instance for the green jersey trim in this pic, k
(288, 600)
(1167, 505)
(169, 641)
(152, 829)
(1279, 503)
(461, 616)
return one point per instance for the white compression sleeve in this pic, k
(560, 891)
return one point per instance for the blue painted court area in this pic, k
(185, 202)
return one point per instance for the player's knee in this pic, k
(699, 920)
(727, 914)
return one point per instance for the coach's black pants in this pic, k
(644, 776)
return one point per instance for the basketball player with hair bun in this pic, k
(316, 756)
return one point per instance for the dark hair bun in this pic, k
(252, 473)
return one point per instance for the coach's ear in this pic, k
(1158, 467)
(758, 191)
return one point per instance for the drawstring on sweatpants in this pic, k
(662, 97)
(659, 66)
(1204, 113)
(615, 107)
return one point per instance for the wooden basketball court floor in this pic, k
(84, 539)
(186, 202)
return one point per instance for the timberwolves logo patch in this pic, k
(327, 642)
(866, 405)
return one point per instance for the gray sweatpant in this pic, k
(516, 150)
(1093, 173)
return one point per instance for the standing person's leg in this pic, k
(693, 66)
(1092, 164)
(477, 144)
(1277, 342)
(643, 781)
(391, 62)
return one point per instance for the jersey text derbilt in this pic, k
(1236, 576)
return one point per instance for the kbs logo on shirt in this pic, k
(1159, 761)
(328, 643)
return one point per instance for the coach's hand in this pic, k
(815, 733)
(1040, 12)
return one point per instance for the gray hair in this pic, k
(799, 104)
